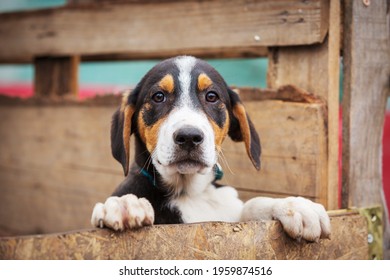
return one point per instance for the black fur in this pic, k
(236, 135)
(141, 186)
(117, 146)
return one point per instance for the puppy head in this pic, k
(182, 110)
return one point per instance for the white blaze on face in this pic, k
(185, 114)
(185, 65)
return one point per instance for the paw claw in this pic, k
(116, 226)
(302, 218)
(123, 212)
(327, 236)
(147, 222)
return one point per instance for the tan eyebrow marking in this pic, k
(204, 82)
(167, 83)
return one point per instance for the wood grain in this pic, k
(58, 164)
(54, 167)
(158, 29)
(366, 87)
(291, 166)
(316, 69)
(205, 241)
(56, 76)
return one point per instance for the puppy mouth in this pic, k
(189, 166)
(188, 162)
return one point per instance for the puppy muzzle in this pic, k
(186, 144)
(188, 138)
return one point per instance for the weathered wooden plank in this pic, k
(158, 29)
(55, 164)
(366, 87)
(215, 240)
(292, 166)
(54, 167)
(316, 69)
(56, 76)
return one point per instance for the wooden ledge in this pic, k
(156, 29)
(214, 240)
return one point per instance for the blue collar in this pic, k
(148, 176)
(218, 174)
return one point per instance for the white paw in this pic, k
(119, 213)
(302, 218)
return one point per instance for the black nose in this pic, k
(188, 137)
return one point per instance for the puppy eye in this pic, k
(159, 97)
(212, 97)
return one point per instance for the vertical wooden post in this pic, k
(316, 69)
(56, 76)
(366, 86)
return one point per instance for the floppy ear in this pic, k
(121, 129)
(242, 129)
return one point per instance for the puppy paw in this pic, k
(302, 218)
(119, 213)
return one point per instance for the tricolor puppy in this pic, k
(180, 113)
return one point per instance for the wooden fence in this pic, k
(55, 160)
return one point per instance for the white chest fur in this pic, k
(212, 204)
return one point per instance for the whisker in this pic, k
(147, 163)
(224, 160)
(140, 154)
(150, 159)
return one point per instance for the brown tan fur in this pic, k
(125, 96)
(149, 134)
(127, 111)
(167, 83)
(204, 82)
(220, 133)
(240, 113)
(128, 114)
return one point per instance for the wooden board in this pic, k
(366, 89)
(295, 165)
(56, 76)
(252, 240)
(56, 163)
(316, 69)
(149, 29)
